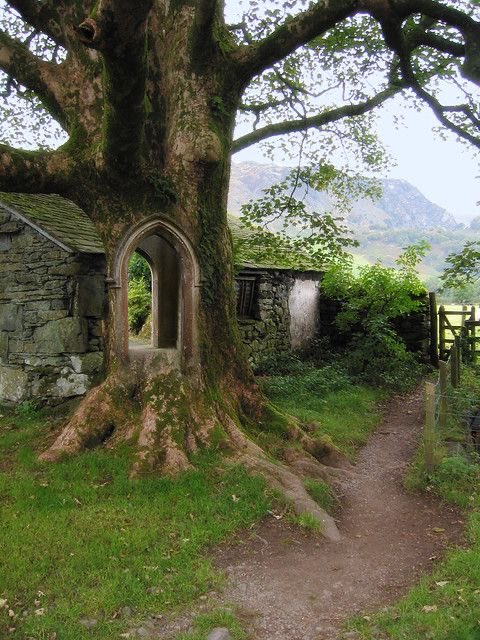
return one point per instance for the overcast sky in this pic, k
(445, 171)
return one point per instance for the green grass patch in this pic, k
(81, 540)
(322, 493)
(346, 412)
(205, 623)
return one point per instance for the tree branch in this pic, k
(42, 16)
(205, 16)
(313, 122)
(35, 172)
(41, 77)
(392, 14)
(399, 43)
(293, 33)
(118, 31)
(418, 37)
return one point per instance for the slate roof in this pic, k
(57, 218)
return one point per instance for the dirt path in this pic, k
(292, 587)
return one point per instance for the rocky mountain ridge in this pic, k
(401, 206)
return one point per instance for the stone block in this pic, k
(23, 241)
(90, 297)
(90, 363)
(62, 269)
(75, 384)
(10, 227)
(67, 335)
(13, 384)
(10, 318)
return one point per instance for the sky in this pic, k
(445, 171)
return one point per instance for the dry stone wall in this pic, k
(51, 307)
(268, 332)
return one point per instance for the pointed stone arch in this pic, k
(175, 286)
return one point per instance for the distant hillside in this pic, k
(401, 206)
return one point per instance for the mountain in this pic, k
(401, 206)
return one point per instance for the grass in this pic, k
(81, 541)
(445, 605)
(345, 412)
(322, 493)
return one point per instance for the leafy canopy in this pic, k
(313, 73)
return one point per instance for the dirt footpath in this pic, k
(288, 586)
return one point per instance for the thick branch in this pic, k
(313, 122)
(42, 16)
(36, 172)
(41, 77)
(399, 43)
(293, 33)
(419, 37)
(118, 31)
(392, 14)
(205, 16)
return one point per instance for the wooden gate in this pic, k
(461, 324)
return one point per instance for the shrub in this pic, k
(369, 303)
(139, 303)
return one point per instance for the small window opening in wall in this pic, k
(139, 300)
(246, 287)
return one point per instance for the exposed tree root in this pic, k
(100, 417)
(169, 419)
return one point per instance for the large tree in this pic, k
(148, 93)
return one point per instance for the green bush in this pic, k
(370, 301)
(139, 304)
(379, 357)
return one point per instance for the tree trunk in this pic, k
(149, 161)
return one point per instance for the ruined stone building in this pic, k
(53, 283)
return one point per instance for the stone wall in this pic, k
(51, 306)
(413, 328)
(285, 316)
(268, 331)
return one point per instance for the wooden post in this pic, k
(429, 430)
(432, 299)
(453, 366)
(458, 345)
(442, 417)
(441, 328)
(473, 343)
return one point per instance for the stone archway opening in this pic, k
(170, 339)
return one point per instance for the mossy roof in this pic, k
(242, 234)
(57, 218)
